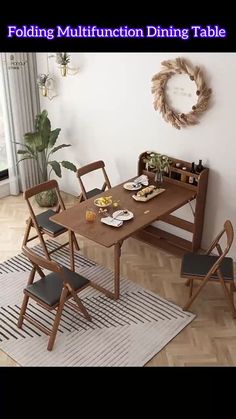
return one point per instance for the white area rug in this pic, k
(127, 332)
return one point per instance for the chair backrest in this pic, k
(229, 232)
(90, 168)
(45, 186)
(42, 187)
(37, 260)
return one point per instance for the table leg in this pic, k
(117, 253)
(114, 295)
(71, 246)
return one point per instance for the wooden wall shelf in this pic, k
(154, 235)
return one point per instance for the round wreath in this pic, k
(179, 66)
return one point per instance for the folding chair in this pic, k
(51, 292)
(88, 169)
(43, 224)
(209, 267)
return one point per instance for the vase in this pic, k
(159, 177)
(47, 198)
(63, 70)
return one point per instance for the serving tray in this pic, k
(156, 192)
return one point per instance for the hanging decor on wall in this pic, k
(44, 82)
(63, 59)
(159, 82)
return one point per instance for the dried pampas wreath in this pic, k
(179, 66)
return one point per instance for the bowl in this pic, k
(103, 201)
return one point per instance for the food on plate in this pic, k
(103, 201)
(146, 191)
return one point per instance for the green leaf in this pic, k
(22, 152)
(34, 141)
(68, 165)
(24, 158)
(30, 149)
(58, 148)
(43, 127)
(56, 167)
(53, 137)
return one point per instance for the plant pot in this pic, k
(44, 90)
(47, 198)
(63, 70)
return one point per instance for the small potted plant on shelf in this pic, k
(158, 163)
(63, 60)
(40, 147)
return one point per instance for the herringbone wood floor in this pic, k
(209, 340)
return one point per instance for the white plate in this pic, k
(119, 215)
(130, 186)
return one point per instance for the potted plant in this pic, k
(158, 163)
(63, 60)
(40, 147)
(42, 82)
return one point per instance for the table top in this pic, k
(145, 213)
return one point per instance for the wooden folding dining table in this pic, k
(145, 213)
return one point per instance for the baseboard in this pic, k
(4, 188)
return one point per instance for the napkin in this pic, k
(143, 179)
(110, 221)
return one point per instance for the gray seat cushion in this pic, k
(48, 225)
(198, 265)
(48, 290)
(93, 192)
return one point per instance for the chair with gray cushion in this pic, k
(210, 267)
(51, 291)
(42, 223)
(88, 169)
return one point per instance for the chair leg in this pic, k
(233, 287)
(27, 231)
(80, 197)
(228, 295)
(191, 288)
(187, 283)
(71, 247)
(75, 241)
(22, 311)
(191, 300)
(57, 320)
(81, 306)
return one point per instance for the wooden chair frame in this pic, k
(90, 168)
(215, 269)
(32, 220)
(67, 293)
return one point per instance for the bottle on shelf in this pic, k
(191, 179)
(184, 177)
(178, 175)
(199, 167)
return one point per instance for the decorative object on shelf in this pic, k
(159, 80)
(159, 163)
(39, 146)
(44, 83)
(63, 59)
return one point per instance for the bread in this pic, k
(146, 191)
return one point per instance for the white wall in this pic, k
(106, 112)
